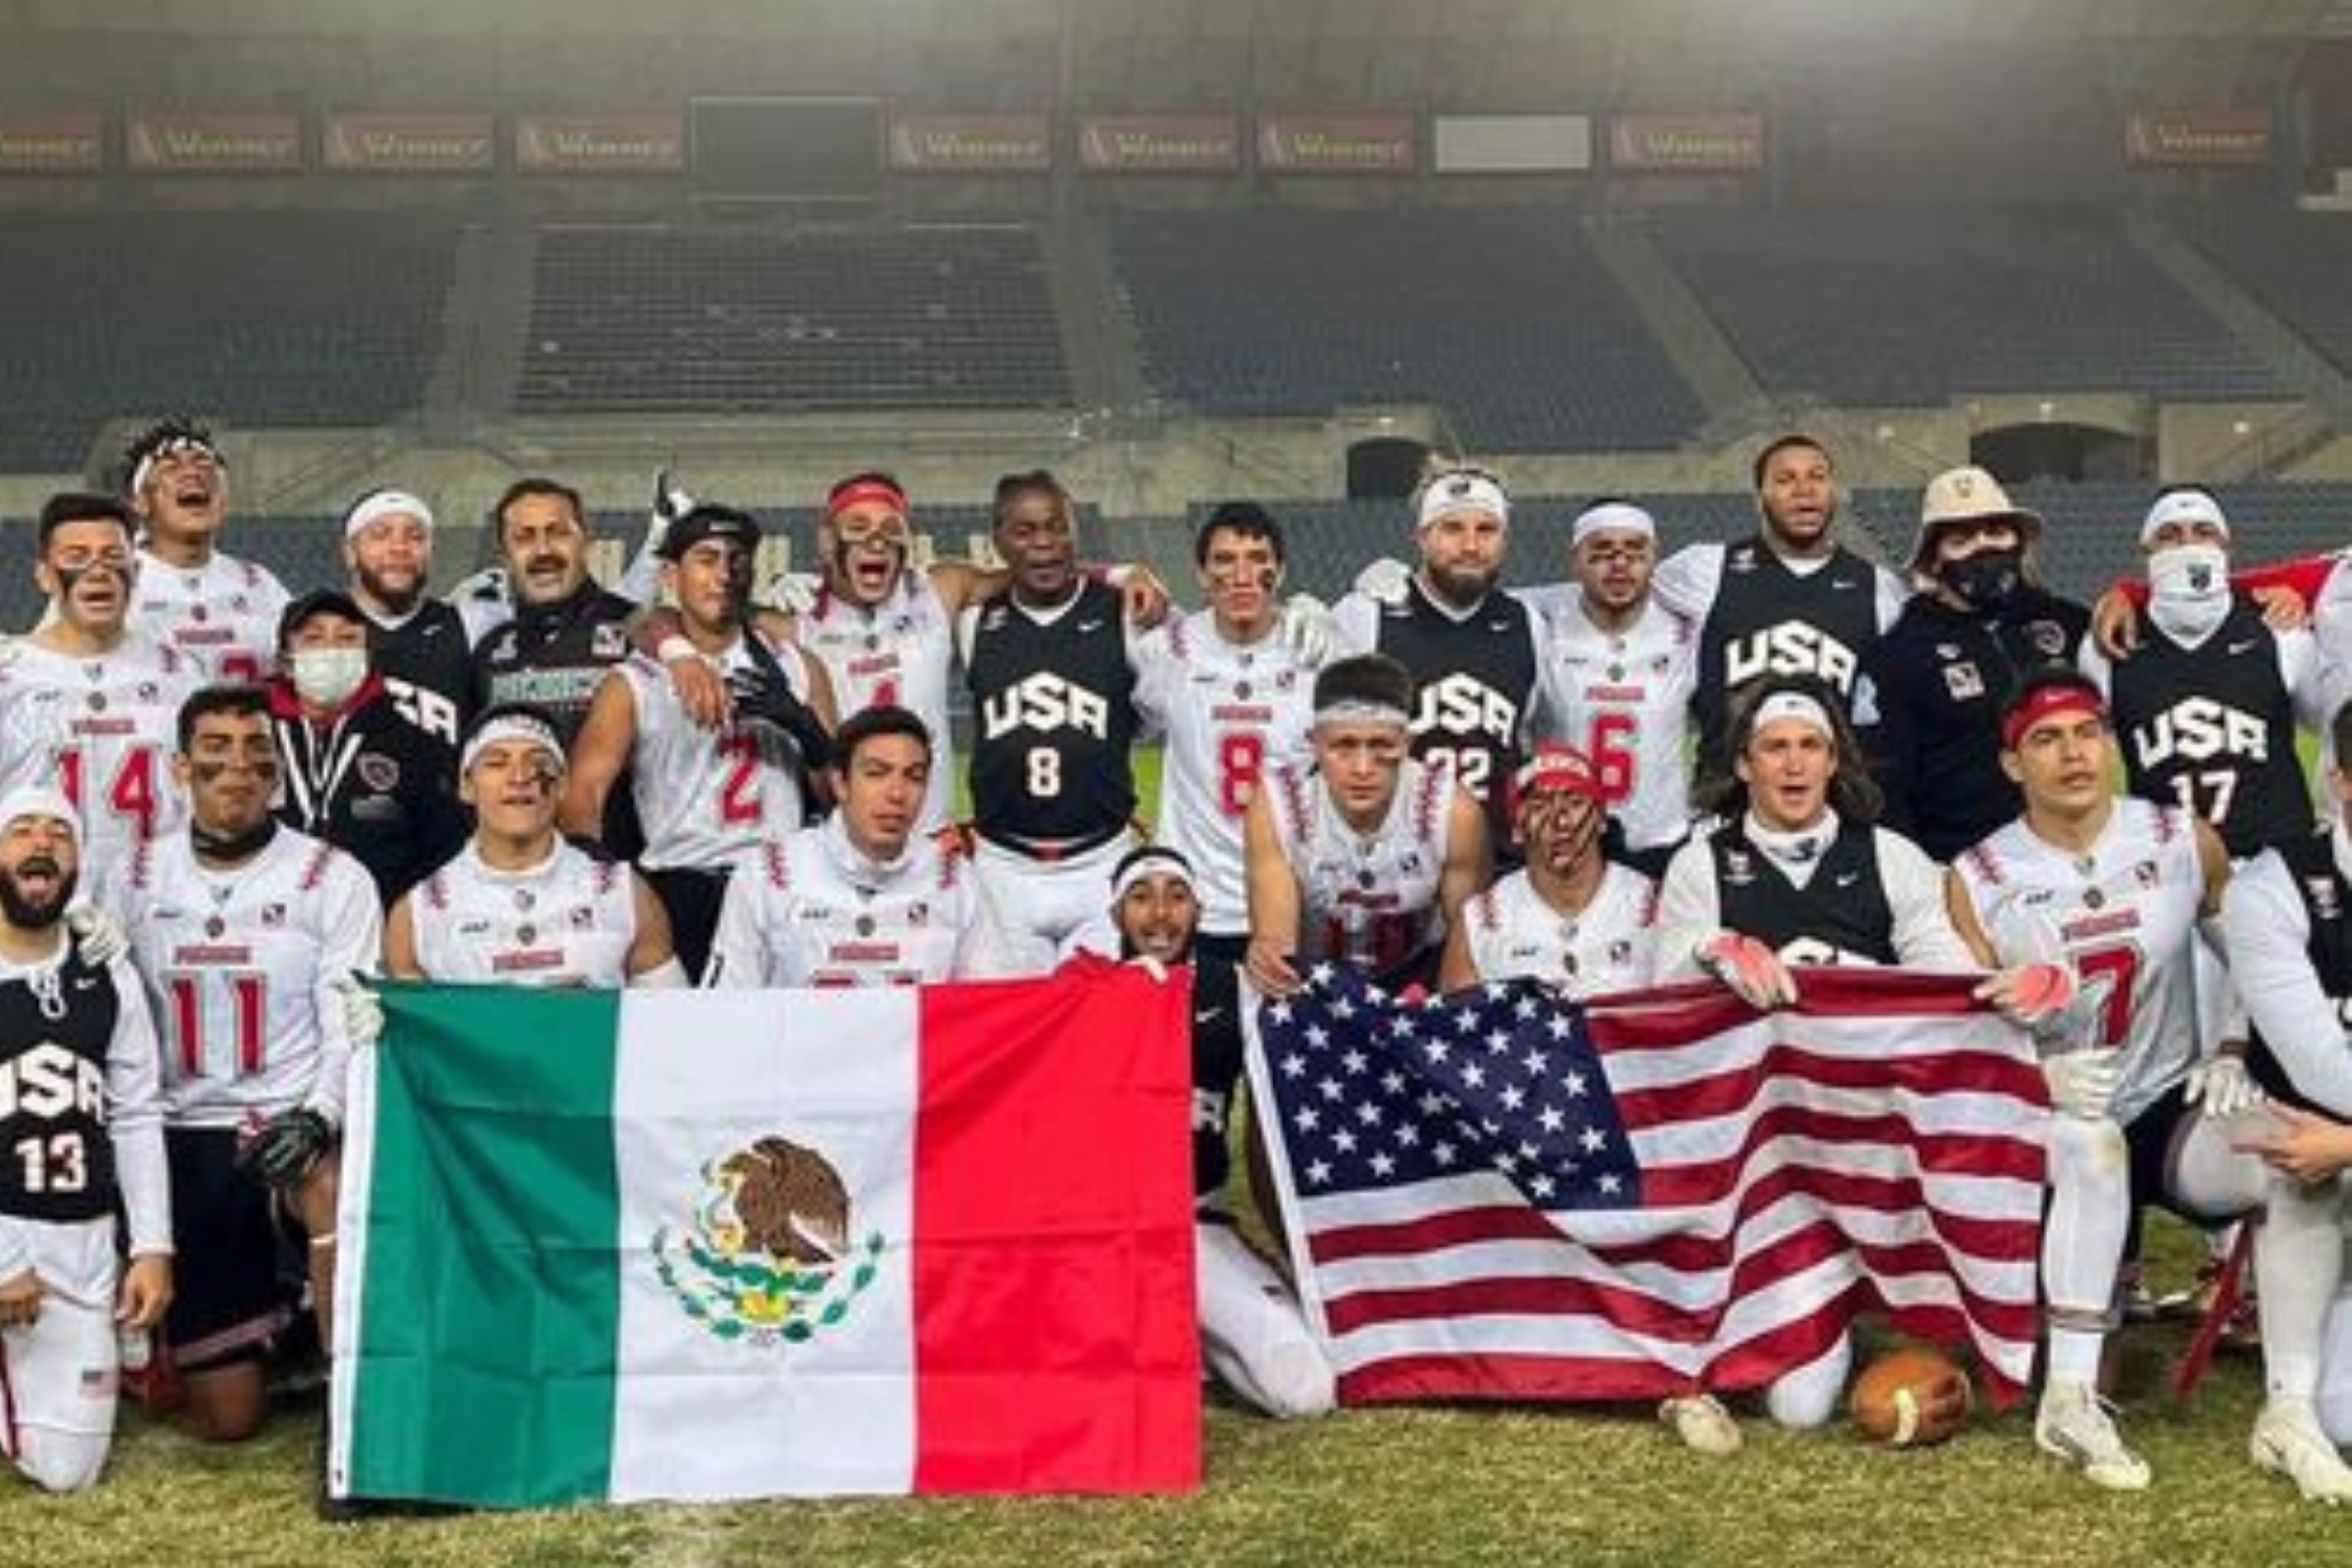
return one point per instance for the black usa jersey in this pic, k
(1474, 688)
(56, 1162)
(1770, 620)
(1053, 703)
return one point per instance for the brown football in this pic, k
(1911, 1398)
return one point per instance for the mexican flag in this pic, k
(720, 1245)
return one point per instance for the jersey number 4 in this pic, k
(130, 794)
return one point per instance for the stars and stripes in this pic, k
(1501, 1195)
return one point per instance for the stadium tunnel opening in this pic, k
(1386, 467)
(2060, 451)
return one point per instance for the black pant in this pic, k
(693, 898)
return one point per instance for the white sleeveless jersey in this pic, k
(102, 731)
(1370, 900)
(705, 799)
(901, 652)
(242, 968)
(1230, 714)
(566, 921)
(1608, 947)
(224, 612)
(2125, 915)
(1625, 702)
(810, 910)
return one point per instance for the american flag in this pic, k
(1501, 1195)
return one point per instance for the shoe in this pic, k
(2287, 1442)
(1703, 1423)
(2243, 1331)
(2140, 1304)
(2072, 1424)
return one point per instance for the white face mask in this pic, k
(326, 677)
(2188, 590)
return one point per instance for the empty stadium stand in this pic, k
(1915, 308)
(286, 319)
(659, 318)
(1502, 316)
(2294, 263)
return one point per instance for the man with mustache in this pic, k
(249, 935)
(81, 1118)
(518, 904)
(193, 596)
(86, 703)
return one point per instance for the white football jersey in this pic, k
(1607, 946)
(244, 966)
(810, 911)
(706, 797)
(566, 921)
(901, 652)
(1370, 899)
(1625, 702)
(102, 731)
(1230, 711)
(224, 612)
(2125, 915)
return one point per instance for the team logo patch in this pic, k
(1738, 868)
(378, 773)
(2047, 637)
(608, 641)
(2321, 892)
(767, 1258)
(1963, 680)
(273, 916)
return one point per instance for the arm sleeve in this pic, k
(1893, 594)
(2267, 933)
(1688, 911)
(1545, 601)
(1355, 623)
(1687, 580)
(134, 1094)
(2300, 673)
(352, 936)
(1154, 664)
(1925, 937)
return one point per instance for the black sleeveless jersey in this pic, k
(1474, 687)
(1054, 723)
(2328, 904)
(427, 666)
(2212, 729)
(1844, 906)
(1770, 620)
(554, 656)
(57, 1162)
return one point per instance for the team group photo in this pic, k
(916, 784)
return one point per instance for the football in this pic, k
(1912, 1397)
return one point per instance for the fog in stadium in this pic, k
(1916, 436)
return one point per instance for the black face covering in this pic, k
(1986, 580)
(233, 846)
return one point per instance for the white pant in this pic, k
(1039, 912)
(2335, 1358)
(1254, 1333)
(59, 1376)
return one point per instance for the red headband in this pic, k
(1557, 768)
(842, 497)
(2047, 703)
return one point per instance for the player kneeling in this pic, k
(1254, 1334)
(2141, 1114)
(518, 904)
(80, 1117)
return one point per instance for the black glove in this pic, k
(765, 698)
(285, 1150)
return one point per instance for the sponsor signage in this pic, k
(1336, 144)
(1699, 144)
(196, 141)
(971, 144)
(408, 144)
(1159, 144)
(2191, 138)
(63, 142)
(652, 142)
(1511, 144)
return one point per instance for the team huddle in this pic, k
(224, 807)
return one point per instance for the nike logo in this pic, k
(2245, 647)
(84, 985)
(1848, 879)
(1208, 1014)
(1091, 625)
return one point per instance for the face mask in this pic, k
(2188, 590)
(1985, 580)
(326, 677)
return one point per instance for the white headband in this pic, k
(512, 728)
(1449, 493)
(385, 504)
(1145, 863)
(1792, 705)
(178, 446)
(1357, 711)
(32, 800)
(1621, 517)
(2183, 505)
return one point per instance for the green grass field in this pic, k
(1363, 1488)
